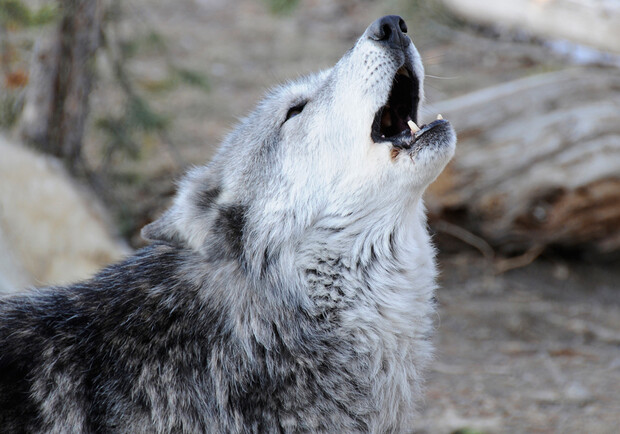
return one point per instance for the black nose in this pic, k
(390, 29)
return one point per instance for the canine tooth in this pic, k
(439, 117)
(413, 126)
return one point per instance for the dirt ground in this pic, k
(532, 350)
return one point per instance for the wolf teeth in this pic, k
(439, 117)
(413, 126)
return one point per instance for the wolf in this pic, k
(289, 287)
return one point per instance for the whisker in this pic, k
(441, 78)
(436, 56)
(434, 87)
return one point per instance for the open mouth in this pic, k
(391, 120)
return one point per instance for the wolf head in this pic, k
(328, 153)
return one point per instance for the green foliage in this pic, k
(10, 108)
(281, 7)
(44, 15)
(119, 136)
(126, 217)
(128, 48)
(193, 78)
(123, 132)
(163, 85)
(16, 13)
(154, 43)
(177, 76)
(141, 116)
(113, 12)
(155, 40)
(467, 431)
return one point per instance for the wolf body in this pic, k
(289, 287)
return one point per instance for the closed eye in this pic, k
(295, 110)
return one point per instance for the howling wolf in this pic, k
(288, 288)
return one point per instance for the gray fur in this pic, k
(289, 287)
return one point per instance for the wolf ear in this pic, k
(163, 229)
(187, 221)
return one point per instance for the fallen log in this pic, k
(537, 163)
(595, 23)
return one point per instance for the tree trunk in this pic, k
(538, 162)
(57, 103)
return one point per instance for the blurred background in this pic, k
(104, 104)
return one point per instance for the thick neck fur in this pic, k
(369, 288)
(317, 279)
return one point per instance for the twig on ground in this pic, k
(467, 237)
(504, 264)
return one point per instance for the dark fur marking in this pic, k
(373, 255)
(258, 398)
(16, 403)
(269, 147)
(229, 224)
(312, 271)
(269, 259)
(392, 244)
(206, 198)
